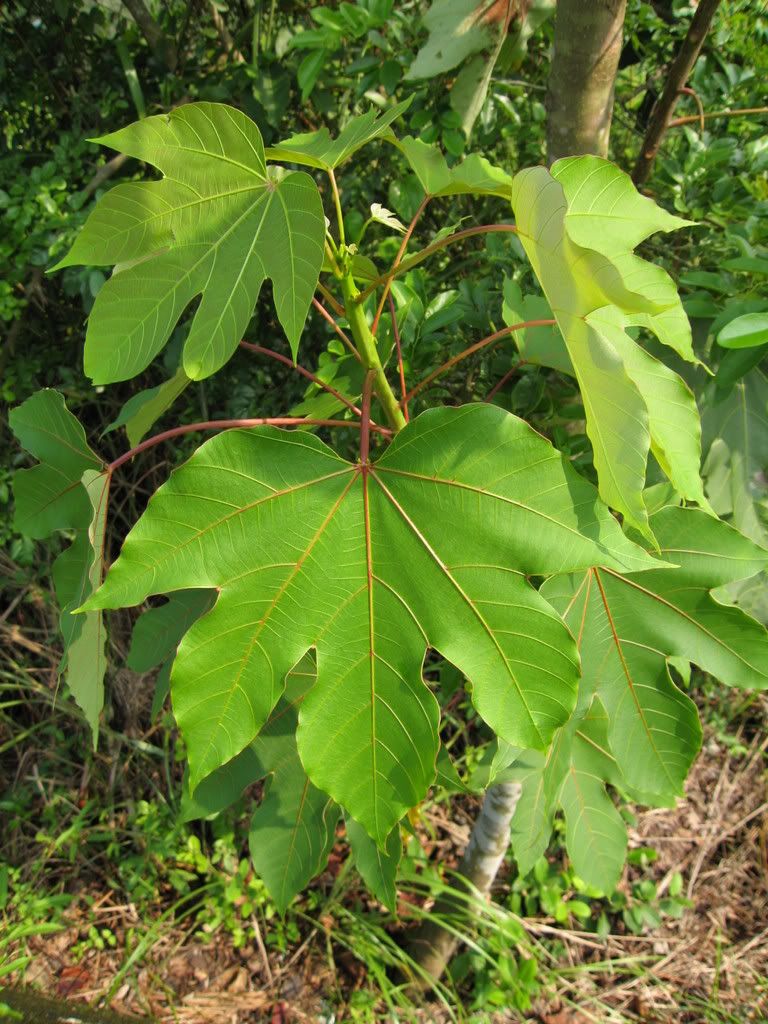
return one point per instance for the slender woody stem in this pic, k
(744, 112)
(484, 343)
(262, 421)
(419, 257)
(261, 350)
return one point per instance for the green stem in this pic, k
(366, 346)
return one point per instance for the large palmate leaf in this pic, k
(318, 149)
(66, 490)
(736, 472)
(579, 224)
(427, 548)
(217, 225)
(633, 728)
(628, 624)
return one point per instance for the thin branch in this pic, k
(419, 257)
(344, 337)
(678, 75)
(745, 111)
(500, 383)
(263, 421)
(400, 253)
(261, 350)
(225, 36)
(484, 343)
(687, 91)
(400, 368)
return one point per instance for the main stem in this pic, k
(369, 353)
(434, 944)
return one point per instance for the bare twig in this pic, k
(678, 76)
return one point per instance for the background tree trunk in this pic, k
(162, 45)
(434, 945)
(588, 40)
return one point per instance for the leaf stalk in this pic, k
(419, 257)
(478, 345)
(261, 421)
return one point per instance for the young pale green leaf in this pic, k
(428, 548)
(457, 30)
(578, 225)
(736, 442)
(84, 660)
(377, 867)
(142, 411)
(473, 176)
(381, 215)
(217, 225)
(628, 624)
(543, 346)
(67, 490)
(318, 149)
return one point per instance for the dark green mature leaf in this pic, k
(67, 490)
(142, 411)
(572, 775)
(378, 868)
(747, 331)
(217, 225)
(50, 496)
(578, 225)
(294, 826)
(633, 729)
(158, 631)
(428, 548)
(318, 149)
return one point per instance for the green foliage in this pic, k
(308, 585)
(67, 490)
(218, 224)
